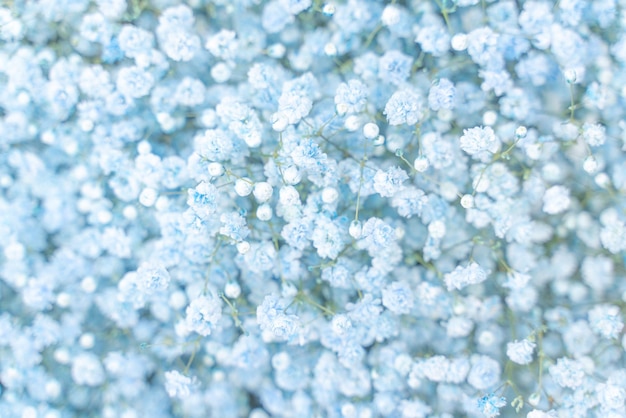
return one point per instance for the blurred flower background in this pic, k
(308, 208)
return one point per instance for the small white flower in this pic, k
(520, 352)
(178, 385)
(556, 200)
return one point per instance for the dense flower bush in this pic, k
(299, 208)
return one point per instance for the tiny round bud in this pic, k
(605, 76)
(379, 141)
(6, 181)
(459, 42)
(84, 205)
(490, 118)
(208, 361)
(329, 9)
(583, 221)
(421, 164)
(458, 308)
(521, 132)
(87, 341)
(243, 247)
(262, 191)
(603, 180)
(289, 196)
(52, 389)
(162, 203)
(449, 191)
(208, 118)
(590, 165)
(148, 197)
(570, 222)
(62, 356)
(14, 251)
(144, 148)
(232, 290)
(570, 76)
(330, 49)
(29, 412)
(366, 412)
(329, 195)
(486, 338)
(80, 173)
(560, 287)
(91, 191)
(403, 364)
(395, 143)
(371, 130)
(104, 216)
(276, 51)
(437, 229)
(88, 284)
(342, 108)
(467, 201)
(48, 137)
(216, 169)
(552, 172)
(603, 62)
(63, 300)
(577, 292)
(221, 72)
(355, 229)
(168, 122)
(258, 413)
(177, 300)
(280, 361)
(292, 175)
(288, 290)
(23, 98)
(445, 115)
(352, 123)
(534, 399)
(243, 186)
(86, 125)
(279, 122)
(391, 15)
(264, 212)
(349, 411)
(219, 376)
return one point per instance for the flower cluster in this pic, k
(312, 208)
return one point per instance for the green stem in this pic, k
(305, 298)
(193, 356)
(371, 36)
(444, 13)
(211, 258)
(572, 106)
(234, 313)
(540, 357)
(358, 195)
